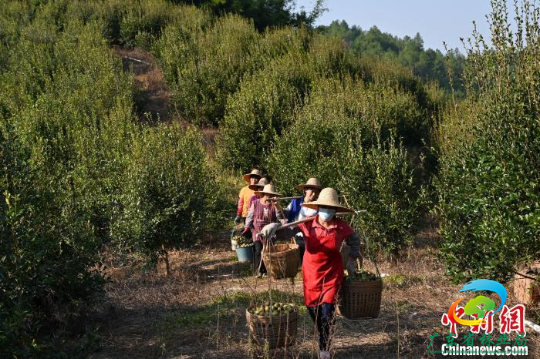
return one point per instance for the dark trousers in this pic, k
(257, 258)
(324, 316)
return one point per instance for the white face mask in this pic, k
(327, 213)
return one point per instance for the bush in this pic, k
(66, 121)
(143, 21)
(381, 181)
(336, 138)
(264, 105)
(488, 182)
(204, 64)
(165, 188)
(260, 111)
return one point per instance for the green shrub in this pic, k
(260, 111)
(280, 41)
(328, 57)
(264, 105)
(336, 138)
(204, 64)
(381, 181)
(66, 122)
(143, 22)
(488, 181)
(165, 188)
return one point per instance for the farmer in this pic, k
(311, 191)
(295, 211)
(257, 187)
(322, 268)
(245, 194)
(262, 212)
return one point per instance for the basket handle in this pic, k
(363, 236)
(372, 259)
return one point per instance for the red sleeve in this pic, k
(240, 207)
(304, 228)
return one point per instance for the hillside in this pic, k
(125, 128)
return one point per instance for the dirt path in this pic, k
(153, 97)
(199, 311)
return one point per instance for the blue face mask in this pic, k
(308, 212)
(327, 213)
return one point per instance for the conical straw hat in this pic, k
(268, 189)
(311, 183)
(259, 185)
(329, 198)
(252, 173)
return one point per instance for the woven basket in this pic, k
(282, 260)
(278, 331)
(360, 299)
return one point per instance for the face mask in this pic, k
(326, 213)
(308, 212)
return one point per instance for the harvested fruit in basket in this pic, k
(362, 275)
(242, 242)
(275, 309)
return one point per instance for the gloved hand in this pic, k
(351, 266)
(269, 230)
(246, 233)
(237, 220)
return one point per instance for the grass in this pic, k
(220, 320)
(401, 280)
(226, 307)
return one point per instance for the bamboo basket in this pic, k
(526, 287)
(275, 331)
(360, 299)
(281, 260)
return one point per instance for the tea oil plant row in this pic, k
(80, 174)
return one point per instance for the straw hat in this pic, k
(259, 185)
(311, 183)
(268, 189)
(252, 173)
(329, 198)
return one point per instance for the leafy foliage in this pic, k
(488, 181)
(265, 13)
(260, 111)
(164, 192)
(61, 114)
(71, 157)
(337, 138)
(204, 64)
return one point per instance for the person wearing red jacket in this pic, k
(322, 268)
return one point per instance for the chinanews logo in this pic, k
(478, 306)
(481, 314)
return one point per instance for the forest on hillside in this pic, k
(81, 175)
(446, 69)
